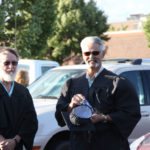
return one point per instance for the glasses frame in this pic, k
(95, 53)
(7, 63)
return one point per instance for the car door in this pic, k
(141, 81)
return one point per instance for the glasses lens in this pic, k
(6, 63)
(87, 53)
(95, 53)
(14, 63)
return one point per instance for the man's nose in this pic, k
(10, 65)
(91, 55)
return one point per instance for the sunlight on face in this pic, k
(8, 72)
(93, 61)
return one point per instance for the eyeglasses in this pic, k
(14, 63)
(95, 53)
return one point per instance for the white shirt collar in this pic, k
(90, 81)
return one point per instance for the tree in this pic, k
(4, 36)
(111, 28)
(29, 22)
(124, 28)
(95, 20)
(12, 20)
(75, 19)
(147, 30)
(34, 37)
(50, 29)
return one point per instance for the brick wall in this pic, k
(127, 44)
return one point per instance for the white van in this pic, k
(36, 67)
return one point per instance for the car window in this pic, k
(21, 66)
(49, 85)
(146, 81)
(46, 68)
(136, 80)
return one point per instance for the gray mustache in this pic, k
(10, 70)
(92, 59)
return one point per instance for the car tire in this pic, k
(58, 145)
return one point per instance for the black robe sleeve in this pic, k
(127, 108)
(63, 102)
(29, 123)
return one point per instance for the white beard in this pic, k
(8, 77)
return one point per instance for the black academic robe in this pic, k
(18, 116)
(109, 94)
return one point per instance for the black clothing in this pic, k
(18, 116)
(109, 94)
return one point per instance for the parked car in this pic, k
(45, 92)
(142, 143)
(36, 67)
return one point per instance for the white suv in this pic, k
(36, 67)
(46, 90)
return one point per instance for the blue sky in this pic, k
(119, 10)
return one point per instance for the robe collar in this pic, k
(11, 90)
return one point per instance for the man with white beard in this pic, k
(18, 119)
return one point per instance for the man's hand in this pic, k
(1, 138)
(97, 118)
(8, 144)
(76, 101)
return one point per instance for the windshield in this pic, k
(49, 85)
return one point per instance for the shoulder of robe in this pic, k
(75, 80)
(18, 88)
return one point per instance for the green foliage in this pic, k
(49, 29)
(122, 28)
(2, 23)
(75, 20)
(33, 36)
(5, 35)
(29, 22)
(147, 30)
(111, 28)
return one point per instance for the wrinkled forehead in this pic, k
(7, 56)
